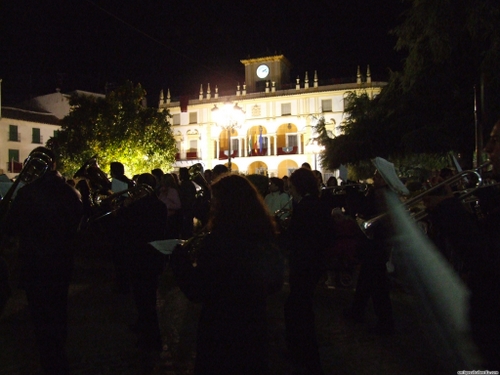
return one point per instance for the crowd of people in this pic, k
(237, 246)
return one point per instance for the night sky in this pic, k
(88, 44)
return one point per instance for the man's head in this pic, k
(117, 169)
(147, 179)
(493, 148)
(275, 184)
(306, 165)
(219, 170)
(378, 180)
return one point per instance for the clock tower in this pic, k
(270, 69)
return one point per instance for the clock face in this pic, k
(262, 71)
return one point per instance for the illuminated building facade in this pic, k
(278, 122)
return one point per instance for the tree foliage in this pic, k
(116, 127)
(453, 57)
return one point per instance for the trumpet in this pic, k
(367, 226)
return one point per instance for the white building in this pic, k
(30, 125)
(277, 126)
(21, 131)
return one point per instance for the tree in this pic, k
(116, 127)
(428, 108)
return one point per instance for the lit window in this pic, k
(286, 109)
(326, 105)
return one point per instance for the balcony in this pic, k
(14, 167)
(190, 155)
(288, 150)
(14, 137)
(224, 153)
(258, 153)
(37, 140)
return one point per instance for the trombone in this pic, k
(121, 199)
(367, 226)
(357, 186)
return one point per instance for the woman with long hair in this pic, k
(237, 265)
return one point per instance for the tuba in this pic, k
(98, 181)
(39, 161)
(196, 175)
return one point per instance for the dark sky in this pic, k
(86, 44)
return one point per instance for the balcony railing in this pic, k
(287, 150)
(223, 154)
(37, 140)
(14, 137)
(14, 167)
(258, 152)
(190, 155)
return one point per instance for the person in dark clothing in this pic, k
(332, 196)
(237, 265)
(5, 289)
(187, 194)
(484, 282)
(45, 216)
(139, 222)
(373, 281)
(305, 240)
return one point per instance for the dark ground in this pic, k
(100, 342)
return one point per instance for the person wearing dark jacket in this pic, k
(305, 241)
(45, 216)
(373, 280)
(139, 222)
(231, 270)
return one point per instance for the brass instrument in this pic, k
(118, 200)
(98, 181)
(39, 161)
(283, 216)
(196, 175)
(341, 189)
(367, 226)
(192, 246)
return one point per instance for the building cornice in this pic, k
(266, 59)
(280, 93)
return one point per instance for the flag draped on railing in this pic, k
(261, 141)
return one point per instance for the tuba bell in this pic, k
(196, 175)
(98, 181)
(39, 161)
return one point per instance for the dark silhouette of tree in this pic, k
(453, 51)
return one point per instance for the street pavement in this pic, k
(100, 341)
